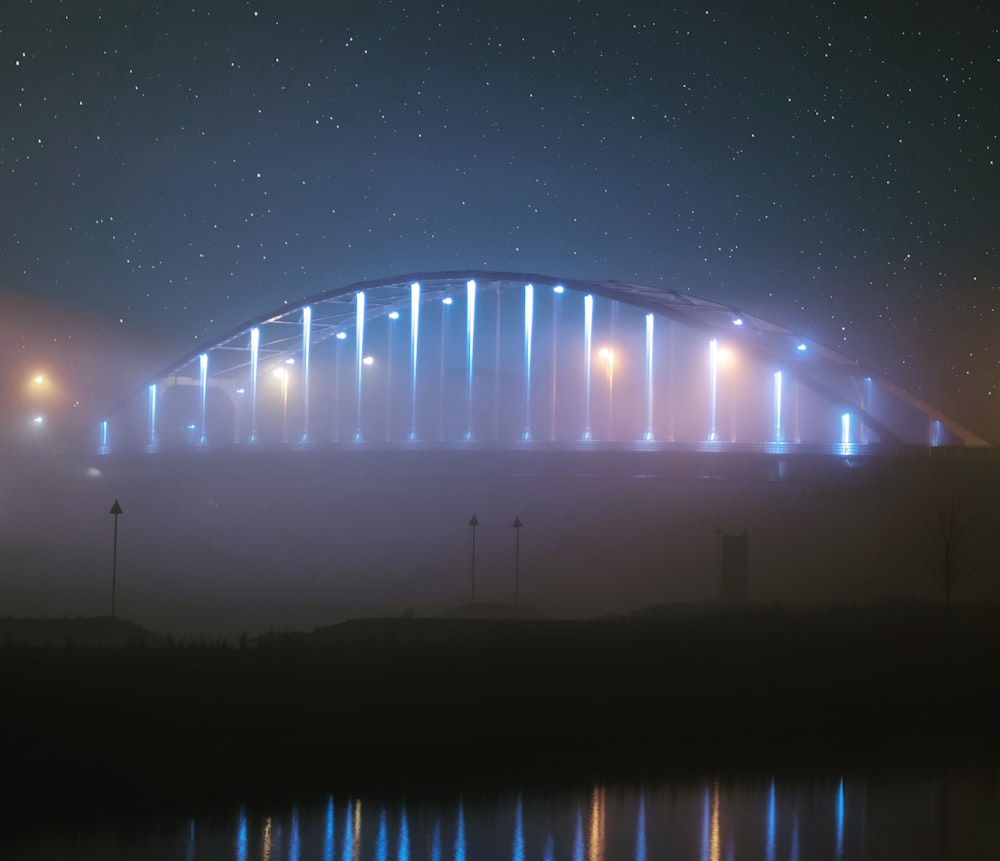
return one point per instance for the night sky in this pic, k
(177, 168)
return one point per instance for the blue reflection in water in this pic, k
(578, 838)
(403, 853)
(640, 830)
(771, 822)
(382, 838)
(706, 826)
(241, 836)
(293, 840)
(517, 853)
(348, 833)
(328, 831)
(840, 819)
(436, 841)
(460, 834)
(637, 826)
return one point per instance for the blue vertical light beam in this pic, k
(359, 322)
(203, 378)
(254, 357)
(529, 319)
(306, 342)
(470, 339)
(777, 406)
(414, 335)
(557, 291)
(588, 329)
(446, 303)
(649, 378)
(151, 446)
(713, 375)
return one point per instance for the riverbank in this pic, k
(460, 702)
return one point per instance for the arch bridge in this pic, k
(487, 359)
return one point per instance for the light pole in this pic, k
(116, 509)
(474, 523)
(517, 559)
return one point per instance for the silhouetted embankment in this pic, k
(458, 702)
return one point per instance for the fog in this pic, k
(62, 364)
(217, 545)
(221, 539)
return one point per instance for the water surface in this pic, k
(947, 815)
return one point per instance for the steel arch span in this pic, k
(504, 359)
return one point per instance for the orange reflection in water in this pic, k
(714, 843)
(597, 813)
(266, 840)
(356, 831)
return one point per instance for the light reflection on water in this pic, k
(854, 818)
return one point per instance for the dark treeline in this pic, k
(458, 702)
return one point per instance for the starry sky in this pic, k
(177, 168)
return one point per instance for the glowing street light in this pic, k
(341, 337)
(725, 357)
(281, 374)
(715, 356)
(608, 355)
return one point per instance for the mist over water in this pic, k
(233, 524)
(219, 545)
